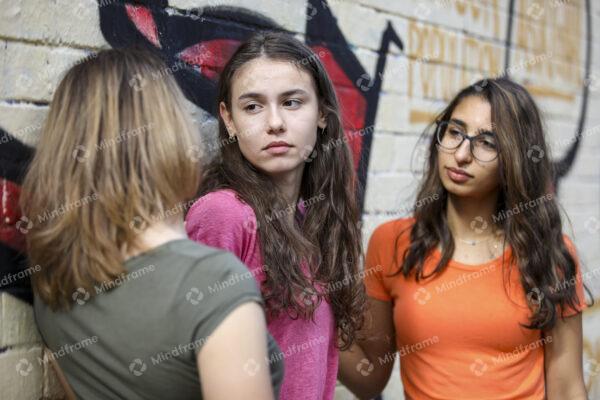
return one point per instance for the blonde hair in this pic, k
(116, 151)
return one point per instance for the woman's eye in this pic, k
(292, 103)
(454, 132)
(487, 143)
(251, 107)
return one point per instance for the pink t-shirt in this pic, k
(220, 219)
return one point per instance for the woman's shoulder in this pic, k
(221, 198)
(388, 238)
(220, 204)
(205, 258)
(393, 229)
(569, 243)
(221, 219)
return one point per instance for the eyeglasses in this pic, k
(483, 146)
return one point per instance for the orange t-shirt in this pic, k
(458, 333)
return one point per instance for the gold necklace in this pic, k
(497, 234)
(473, 242)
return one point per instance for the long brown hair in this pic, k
(329, 236)
(113, 156)
(535, 236)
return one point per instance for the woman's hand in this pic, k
(366, 367)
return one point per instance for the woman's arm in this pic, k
(563, 360)
(233, 363)
(366, 367)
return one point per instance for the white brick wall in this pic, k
(464, 39)
(22, 376)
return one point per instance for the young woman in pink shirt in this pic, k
(281, 196)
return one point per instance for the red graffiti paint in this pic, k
(142, 18)
(10, 216)
(211, 56)
(352, 103)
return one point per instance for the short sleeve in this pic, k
(577, 281)
(218, 219)
(214, 288)
(375, 263)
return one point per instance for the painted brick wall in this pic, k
(447, 44)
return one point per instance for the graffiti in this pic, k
(195, 44)
(564, 38)
(200, 41)
(14, 159)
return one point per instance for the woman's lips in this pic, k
(457, 176)
(280, 149)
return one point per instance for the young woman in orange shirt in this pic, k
(479, 291)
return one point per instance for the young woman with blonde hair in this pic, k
(123, 299)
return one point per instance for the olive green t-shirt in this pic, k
(138, 336)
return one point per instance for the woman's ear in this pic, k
(226, 116)
(322, 123)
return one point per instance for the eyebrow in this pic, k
(250, 95)
(255, 95)
(485, 132)
(459, 122)
(294, 91)
(464, 125)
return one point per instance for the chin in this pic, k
(461, 190)
(472, 190)
(278, 167)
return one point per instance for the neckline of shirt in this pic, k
(474, 267)
(150, 252)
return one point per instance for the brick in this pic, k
(558, 108)
(538, 64)
(433, 81)
(382, 152)
(421, 113)
(390, 192)
(394, 387)
(586, 167)
(291, 14)
(17, 325)
(36, 70)
(560, 135)
(395, 153)
(396, 75)
(24, 383)
(362, 26)
(23, 121)
(392, 112)
(51, 388)
(487, 20)
(58, 22)
(341, 393)
(570, 194)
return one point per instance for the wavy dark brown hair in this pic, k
(329, 236)
(535, 236)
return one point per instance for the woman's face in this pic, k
(460, 172)
(274, 114)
